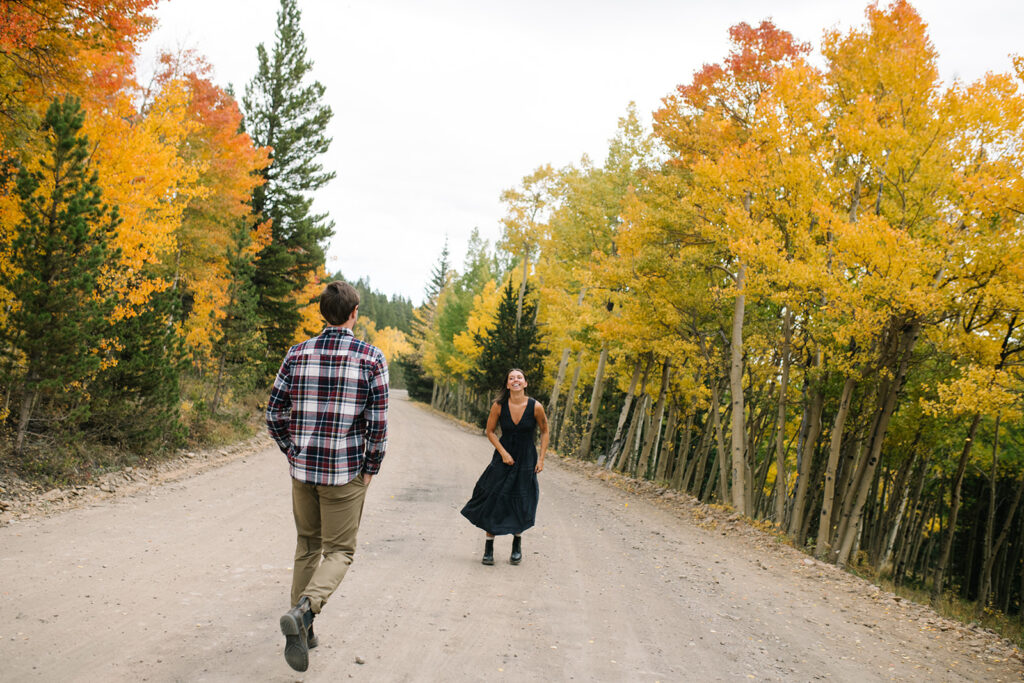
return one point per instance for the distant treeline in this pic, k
(394, 311)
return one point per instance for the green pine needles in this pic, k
(284, 111)
(57, 328)
(508, 344)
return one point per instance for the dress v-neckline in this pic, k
(508, 404)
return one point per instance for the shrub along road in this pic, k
(185, 580)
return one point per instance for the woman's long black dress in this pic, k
(505, 497)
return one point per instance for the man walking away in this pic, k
(328, 413)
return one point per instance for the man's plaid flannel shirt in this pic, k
(328, 408)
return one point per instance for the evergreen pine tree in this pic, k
(59, 322)
(284, 112)
(423, 317)
(135, 402)
(420, 385)
(242, 338)
(438, 276)
(506, 346)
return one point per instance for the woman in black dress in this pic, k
(505, 497)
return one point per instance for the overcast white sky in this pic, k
(439, 105)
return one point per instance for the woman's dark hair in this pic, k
(504, 393)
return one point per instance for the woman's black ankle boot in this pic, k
(517, 550)
(488, 551)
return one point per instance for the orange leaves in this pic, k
(176, 166)
(310, 320)
(759, 53)
(49, 47)
(227, 163)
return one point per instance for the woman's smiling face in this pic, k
(516, 381)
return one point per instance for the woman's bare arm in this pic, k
(542, 424)
(492, 424)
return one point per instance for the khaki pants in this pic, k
(326, 521)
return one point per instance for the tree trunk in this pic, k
(892, 520)
(562, 365)
(555, 390)
(985, 580)
(522, 289)
(909, 562)
(616, 447)
(460, 399)
(910, 523)
(27, 403)
(903, 521)
(595, 403)
(623, 458)
(796, 520)
(723, 469)
(683, 454)
(954, 509)
(695, 469)
(218, 386)
(570, 399)
(1010, 562)
(643, 418)
(890, 542)
(888, 394)
(739, 461)
(986, 574)
(708, 493)
(781, 477)
(665, 450)
(659, 414)
(1003, 535)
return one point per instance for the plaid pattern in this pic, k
(328, 408)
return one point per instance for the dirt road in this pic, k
(186, 581)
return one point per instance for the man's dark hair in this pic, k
(337, 302)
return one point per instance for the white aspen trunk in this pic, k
(522, 289)
(739, 469)
(823, 546)
(954, 508)
(641, 421)
(27, 402)
(460, 399)
(563, 363)
(866, 471)
(616, 446)
(623, 459)
(990, 524)
(695, 468)
(595, 403)
(781, 478)
(664, 456)
(659, 412)
(723, 455)
(796, 519)
(1003, 535)
(684, 452)
(890, 541)
(863, 485)
(570, 398)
